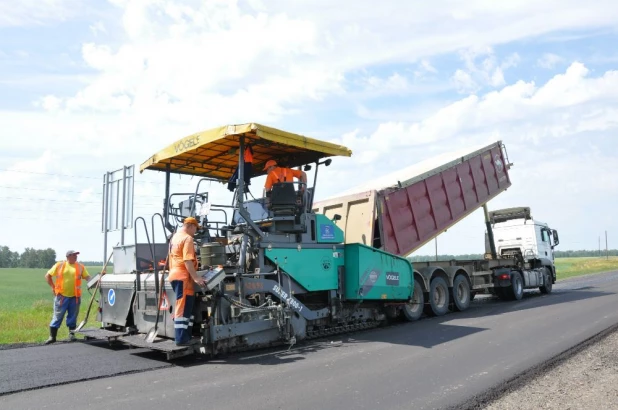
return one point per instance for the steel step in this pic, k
(160, 343)
(102, 334)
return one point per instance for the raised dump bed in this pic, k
(402, 211)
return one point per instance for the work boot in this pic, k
(53, 331)
(72, 337)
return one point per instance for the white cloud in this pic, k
(37, 12)
(464, 82)
(159, 70)
(553, 132)
(549, 60)
(424, 68)
(486, 72)
(567, 105)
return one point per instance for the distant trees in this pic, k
(30, 258)
(557, 253)
(8, 259)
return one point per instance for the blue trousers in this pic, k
(65, 305)
(183, 314)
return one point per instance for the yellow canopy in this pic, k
(214, 153)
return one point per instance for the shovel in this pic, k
(152, 333)
(83, 322)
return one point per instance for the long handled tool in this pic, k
(96, 289)
(152, 333)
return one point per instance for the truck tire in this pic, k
(438, 297)
(414, 310)
(461, 293)
(516, 291)
(547, 282)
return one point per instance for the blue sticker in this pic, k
(111, 297)
(327, 232)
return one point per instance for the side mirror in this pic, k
(555, 235)
(307, 168)
(328, 161)
(336, 217)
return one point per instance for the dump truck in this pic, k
(400, 212)
(280, 268)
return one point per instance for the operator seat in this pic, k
(283, 201)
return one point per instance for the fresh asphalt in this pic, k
(431, 364)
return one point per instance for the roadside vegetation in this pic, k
(26, 305)
(26, 302)
(569, 267)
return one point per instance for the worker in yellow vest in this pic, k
(67, 293)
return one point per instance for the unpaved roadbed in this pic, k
(587, 379)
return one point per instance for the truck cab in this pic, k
(517, 235)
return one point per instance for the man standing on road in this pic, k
(67, 293)
(183, 274)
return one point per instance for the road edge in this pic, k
(504, 387)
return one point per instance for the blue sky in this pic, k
(87, 87)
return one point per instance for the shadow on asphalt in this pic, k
(426, 333)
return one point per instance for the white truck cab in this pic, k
(517, 235)
(516, 232)
(533, 239)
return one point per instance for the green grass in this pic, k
(569, 267)
(26, 299)
(26, 306)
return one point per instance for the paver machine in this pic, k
(276, 272)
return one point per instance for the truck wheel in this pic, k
(414, 310)
(438, 297)
(516, 291)
(547, 282)
(461, 293)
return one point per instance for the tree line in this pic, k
(33, 258)
(557, 254)
(45, 258)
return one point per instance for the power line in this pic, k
(65, 201)
(80, 176)
(68, 192)
(45, 173)
(46, 190)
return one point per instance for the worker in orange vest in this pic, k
(281, 174)
(67, 293)
(183, 275)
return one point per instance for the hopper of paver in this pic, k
(402, 211)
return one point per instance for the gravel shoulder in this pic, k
(584, 377)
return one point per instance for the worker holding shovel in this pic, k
(67, 293)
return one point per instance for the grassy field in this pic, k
(26, 306)
(26, 299)
(568, 267)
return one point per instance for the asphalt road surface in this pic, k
(431, 364)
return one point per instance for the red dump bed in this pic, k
(402, 211)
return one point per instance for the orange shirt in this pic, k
(182, 249)
(281, 175)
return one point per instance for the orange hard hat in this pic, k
(191, 220)
(270, 163)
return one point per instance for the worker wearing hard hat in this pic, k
(183, 274)
(67, 293)
(278, 174)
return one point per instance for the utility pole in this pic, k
(606, 251)
(599, 246)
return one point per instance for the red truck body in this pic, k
(403, 211)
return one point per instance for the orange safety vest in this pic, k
(248, 155)
(285, 175)
(79, 269)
